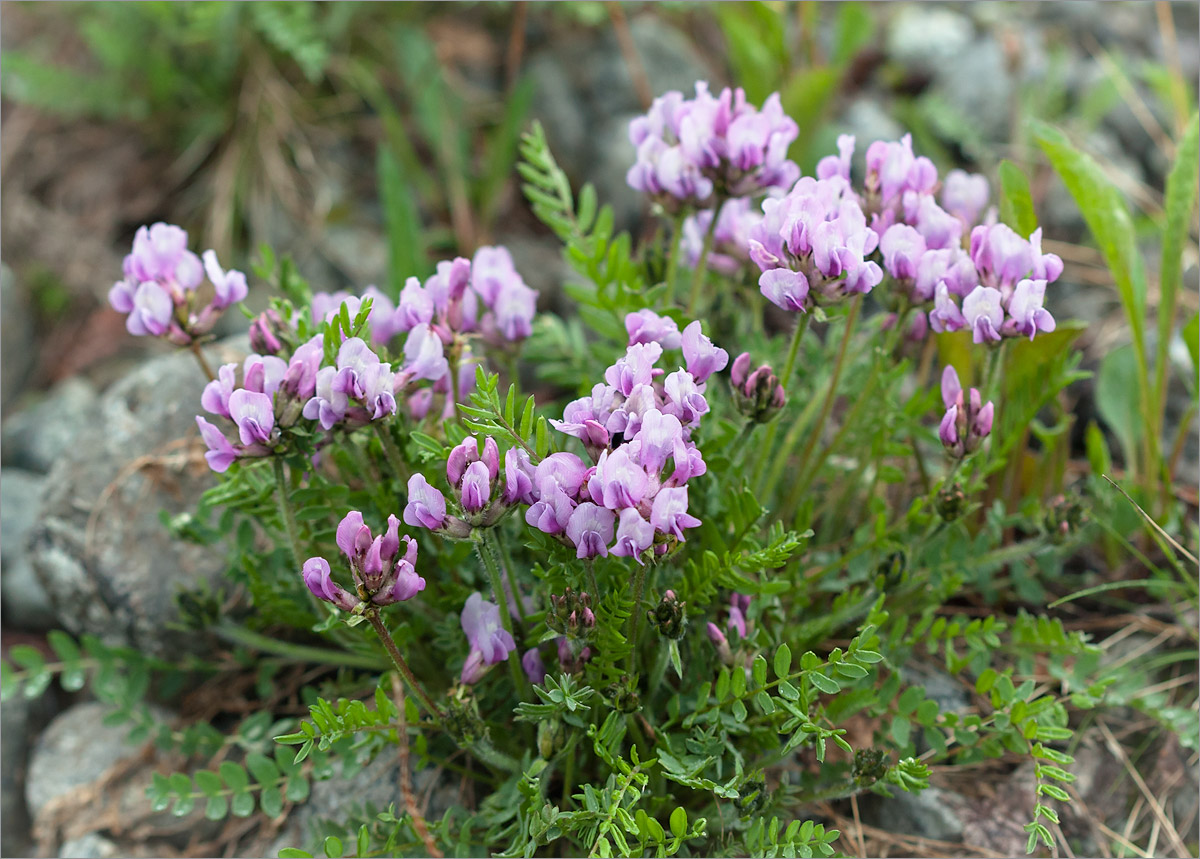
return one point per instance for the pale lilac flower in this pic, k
(160, 254)
(263, 374)
(966, 422)
(949, 265)
(254, 415)
(535, 668)
(590, 529)
(1000, 255)
(221, 452)
(496, 280)
(426, 506)
(151, 312)
(490, 642)
(660, 436)
(1046, 267)
(552, 511)
(635, 368)
(945, 315)
(838, 165)
(230, 285)
(518, 480)
(634, 535)
(424, 355)
(684, 398)
(319, 581)
(300, 380)
(939, 228)
(564, 470)
(892, 169)
(415, 307)
(731, 236)
(983, 313)
(215, 396)
(1027, 316)
(669, 513)
(902, 248)
(965, 195)
(646, 326)
(476, 487)
(785, 289)
(618, 481)
(702, 357)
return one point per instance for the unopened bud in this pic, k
(264, 333)
(951, 501)
(757, 394)
(669, 616)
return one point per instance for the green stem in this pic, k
(395, 460)
(289, 517)
(489, 754)
(639, 585)
(764, 452)
(297, 652)
(520, 682)
(568, 780)
(202, 361)
(506, 565)
(817, 431)
(389, 645)
(702, 263)
(454, 383)
(589, 565)
(673, 255)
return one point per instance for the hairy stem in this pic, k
(389, 645)
(392, 452)
(764, 452)
(288, 515)
(635, 619)
(202, 361)
(702, 263)
(486, 552)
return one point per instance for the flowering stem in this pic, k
(831, 393)
(639, 585)
(389, 644)
(285, 511)
(395, 460)
(789, 365)
(202, 361)
(454, 382)
(702, 263)
(673, 253)
(487, 554)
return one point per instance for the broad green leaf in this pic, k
(783, 661)
(1179, 202)
(1116, 398)
(1016, 203)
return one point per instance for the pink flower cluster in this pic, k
(159, 289)
(967, 421)
(690, 149)
(731, 236)
(270, 398)
(637, 429)
(382, 575)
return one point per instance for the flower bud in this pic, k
(717, 637)
(264, 333)
(758, 395)
(950, 502)
(669, 616)
(1064, 516)
(549, 737)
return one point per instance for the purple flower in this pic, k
(660, 436)
(518, 480)
(949, 265)
(892, 169)
(221, 452)
(535, 668)
(426, 506)
(415, 307)
(160, 254)
(263, 373)
(720, 642)
(634, 535)
(902, 248)
(496, 280)
(966, 422)
(490, 642)
(230, 285)
(551, 512)
(983, 313)
(619, 481)
(590, 529)
(635, 368)
(424, 356)
(467, 452)
(476, 487)
(646, 326)
(669, 513)
(939, 228)
(327, 405)
(563, 470)
(300, 379)
(215, 397)
(785, 289)
(1028, 317)
(1001, 256)
(838, 165)
(318, 579)
(407, 583)
(151, 311)
(685, 400)
(703, 359)
(254, 415)
(1046, 267)
(731, 237)
(945, 315)
(964, 195)
(758, 394)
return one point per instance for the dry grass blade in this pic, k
(1155, 806)
(1157, 528)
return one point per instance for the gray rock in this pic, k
(977, 85)
(16, 338)
(90, 846)
(377, 785)
(928, 37)
(584, 96)
(76, 749)
(951, 696)
(932, 813)
(25, 603)
(20, 719)
(359, 250)
(38, 436)
(142, 454)
(869, 121)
